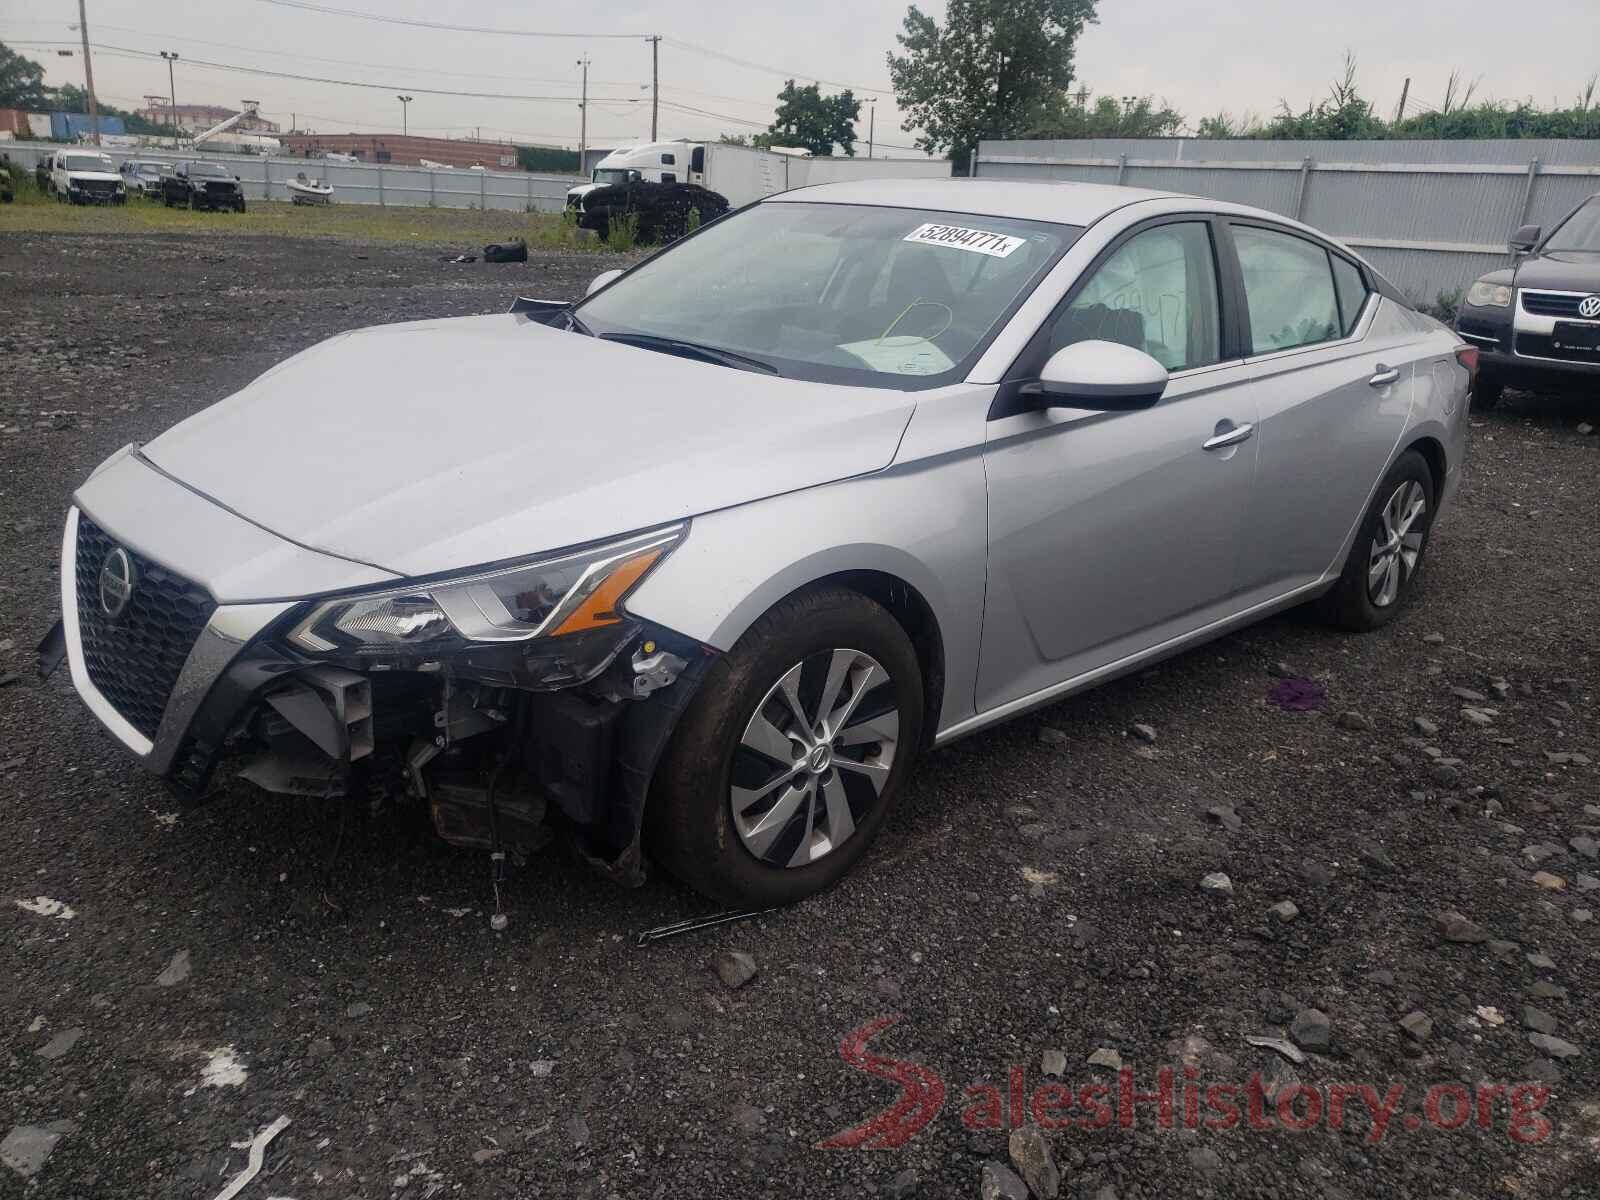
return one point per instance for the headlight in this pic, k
(1484, 294)
(567, 609)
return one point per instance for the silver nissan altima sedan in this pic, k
(696, 569)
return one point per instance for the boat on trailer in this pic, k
(303, 190)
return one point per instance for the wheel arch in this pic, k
(1433, 453)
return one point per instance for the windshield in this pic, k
(1580, 231)
(207, 170)
(887, 297)
(89, 162)
(612, 175)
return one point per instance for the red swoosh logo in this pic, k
(921, 1094)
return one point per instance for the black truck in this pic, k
(1536, 323)
(202, 185)
(665, 211)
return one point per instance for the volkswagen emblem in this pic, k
(117, 580)
(1589, 307)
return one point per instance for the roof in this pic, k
(1062, 201)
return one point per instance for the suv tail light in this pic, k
(1467, 356)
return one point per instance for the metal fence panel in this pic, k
(361, 183)
(1432, 216)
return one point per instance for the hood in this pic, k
(583, 189)
(109, 176)
(435, 445)
(1560, 271)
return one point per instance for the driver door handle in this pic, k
(1231, 437)
(1384, 376)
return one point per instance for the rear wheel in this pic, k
(1381, 572)
(791, 756)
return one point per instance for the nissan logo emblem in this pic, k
(117, 580)
(1589, 307)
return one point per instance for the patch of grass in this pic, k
(623, 233)
(466, 228)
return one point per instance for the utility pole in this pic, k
(583, 120)
(1400, 113)
(872, 123)
(172, 94)
(655, 82)
(88, 73)
(405, 105)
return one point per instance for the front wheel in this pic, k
(1381, 573)
(790, 758)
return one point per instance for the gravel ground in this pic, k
(1038, 890)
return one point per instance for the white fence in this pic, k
(1431, 215)
(361, 183)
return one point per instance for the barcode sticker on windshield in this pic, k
(954, 237)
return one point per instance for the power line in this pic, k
(767, 67)
(392, 20)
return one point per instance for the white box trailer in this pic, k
(743, 173)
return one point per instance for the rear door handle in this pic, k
(1384, 376)
(1231, 437)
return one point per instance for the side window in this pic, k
(669, 160)
(669, 177)
(1352, 291)
(1156, 293)
(1288, 285)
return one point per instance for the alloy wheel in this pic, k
(814, 757)
(1397, 545)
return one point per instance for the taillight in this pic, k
(1467, 356)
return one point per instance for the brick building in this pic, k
(402, 150)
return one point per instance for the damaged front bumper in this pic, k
(190, 685)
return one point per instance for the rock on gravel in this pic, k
(1106, 1057)
(1538, 1020)
(1418, 1025)
(1356, 722)
(27, 1147)
(1225, 816)
(1453, 927)
(1554, 1046)
(60, 1045)
(1053, 1063)
(177, 970)
(1030, 1154)
(1311, 1029)
(1144, 733)
(1000, 1182)
(903, 1186)
(735, 968)
(1217, 882)
(1284, 911)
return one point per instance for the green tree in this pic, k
(806, 117)
(21, 81)
(1108, 116)
(997, 68)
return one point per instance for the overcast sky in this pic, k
(1199, 55)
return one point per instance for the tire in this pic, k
(239, 207)
(710, 767)
(1361, 600)
(1486, 392)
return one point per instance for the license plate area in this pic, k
(1569, 335)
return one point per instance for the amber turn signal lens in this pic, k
(601, 606)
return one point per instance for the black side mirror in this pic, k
(1525, 239)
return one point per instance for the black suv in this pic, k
(202, 185)
(1537, 323)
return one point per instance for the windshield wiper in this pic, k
(710, 354)
(575, 323)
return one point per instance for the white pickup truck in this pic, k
(86, 177)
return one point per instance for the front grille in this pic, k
(1550, 304)
(134, 659)
(219, 189)
(1537, 345)
(98, 187)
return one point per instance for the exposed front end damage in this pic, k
(499, 767)
(513, 702)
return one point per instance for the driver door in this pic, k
(1112, 532)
